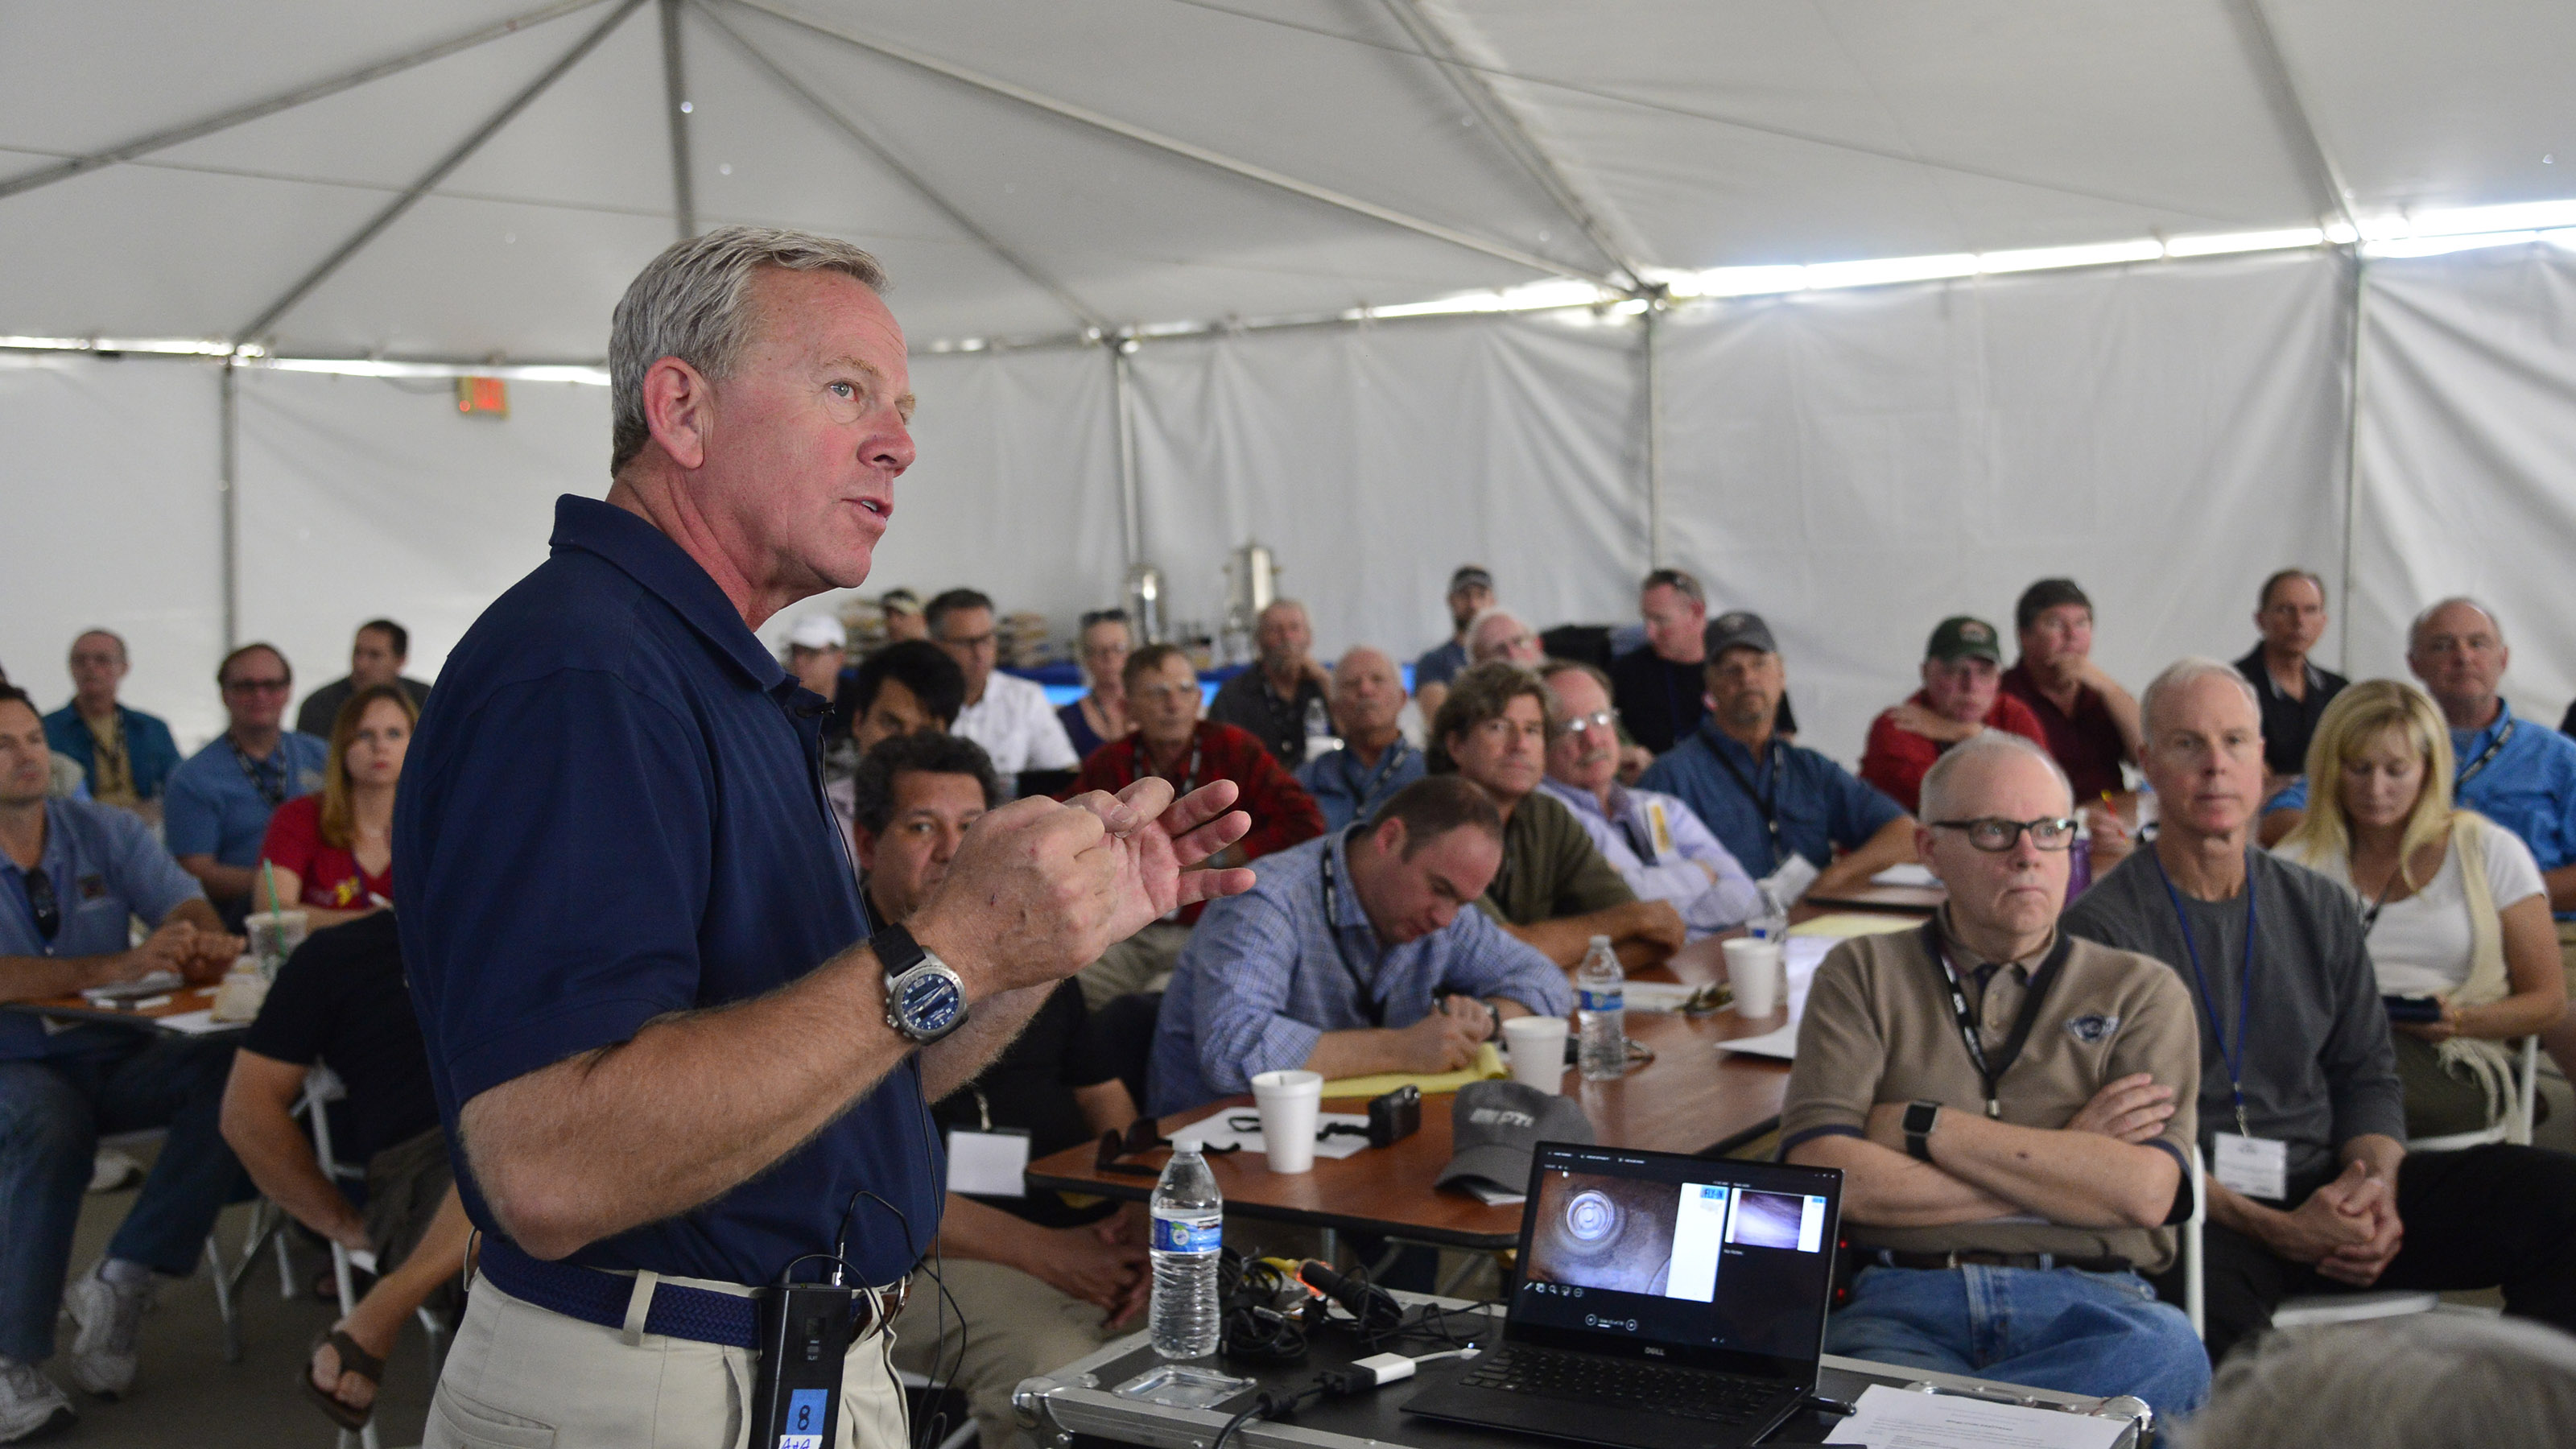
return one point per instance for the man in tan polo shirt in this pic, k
(2012, 1109)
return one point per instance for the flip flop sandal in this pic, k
(353, 1360)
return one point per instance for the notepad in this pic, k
(1892, 1418)
(1855, 923)
(1488, 1065)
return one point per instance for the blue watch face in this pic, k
(929, 1001)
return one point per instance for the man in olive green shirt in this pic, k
(2012, 1109)
(1554, 891)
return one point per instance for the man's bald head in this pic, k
(1368, 694)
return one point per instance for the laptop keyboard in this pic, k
(1684, 1393)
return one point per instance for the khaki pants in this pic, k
(1142, 962)
(522, 1377)
(1015, 1326)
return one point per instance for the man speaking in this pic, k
(677, 1065)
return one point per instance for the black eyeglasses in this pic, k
(42, 903)
(1995, 835)
(1142, 1136)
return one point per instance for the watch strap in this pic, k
(1919, 1117)
(896, 950)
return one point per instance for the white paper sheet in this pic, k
(1892, 1418)
(200, 1022)
(1212, 1131)
(1906, 874)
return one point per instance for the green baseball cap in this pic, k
(1961, 637)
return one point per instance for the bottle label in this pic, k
(1614, 999)
(1179, 1235)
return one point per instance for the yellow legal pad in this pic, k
(1855, 923)
(1489, 1064)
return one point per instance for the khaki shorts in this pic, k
(523, 1377)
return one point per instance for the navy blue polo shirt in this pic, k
(613, 810)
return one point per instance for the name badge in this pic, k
(2253, 1166)
(1661, 829)
(989, 1164)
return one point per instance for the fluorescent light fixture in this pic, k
(379, 367)
(1735, 281)
(2244, 241)
(2463, 221)
(2102, 254)
(2434, 246)
(156, 346)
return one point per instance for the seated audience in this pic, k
(2453, 907)
(2311, 1187)
(2522, 779)
(1171, 740)
(1354, 954)
(77, 872)
(340, 1002)
(1653, 840)
(1471, 592)
(1770, 802)
(125, 755)
(375, 657)
(901, 610)
(216, 812)
(816, 649)
(2003, 1228)
(1007, 715)
(1270, 699)
(2291, 613)
(1101, 714)
(1961, 698)
(1497, 636)
(1554, 891)
(910, 688)
(331, 854)
(2418, 1381)
(1375, 759)
(1036, 1281)
(2090, 721)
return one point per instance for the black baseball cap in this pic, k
(1470, 576)
(1495, 1129)
(2045, 595)
(1737, 629)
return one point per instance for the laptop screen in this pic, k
(1718, 1264)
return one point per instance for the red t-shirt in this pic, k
(332, 876)
(1281, 810)
(1897, 758)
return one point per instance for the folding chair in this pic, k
(2295, 1312)
(920, 1399)
(265, 1221)
(321, 1088)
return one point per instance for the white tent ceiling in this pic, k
(1692, 133)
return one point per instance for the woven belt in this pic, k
(1963, 1257)
(676, 1311)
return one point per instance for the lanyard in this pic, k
(1363, 791)
(1767, 804)
(1369, 1004)
(2470, 771)
(256, 771)
(1992, 1074)
(1189, 782)
(1640, 840)
(2234, 1060)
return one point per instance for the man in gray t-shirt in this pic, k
(2311, 1189)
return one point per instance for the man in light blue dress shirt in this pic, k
(1660, 848)
(1355, 953)
(1375, 759)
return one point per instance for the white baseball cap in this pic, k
(819, 631)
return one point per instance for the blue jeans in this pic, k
(52, 1113)
(2095, 1334)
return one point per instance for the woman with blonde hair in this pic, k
(2453, 906)
(330, 854)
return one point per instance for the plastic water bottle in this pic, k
(1319, 730)
(1601, 992)
(1189, 1228)
(1771, 918)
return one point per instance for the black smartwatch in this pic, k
(924, 999)
(1919, 1117)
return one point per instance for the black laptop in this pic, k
(1664, 1302)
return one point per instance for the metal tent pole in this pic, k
(1122, 401)
(1653, 340)
(228, 488)
(675, 95)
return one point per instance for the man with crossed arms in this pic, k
(2012, 1109)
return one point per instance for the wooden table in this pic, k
(1917, 900)
(1690, 1098)
(179, 1001)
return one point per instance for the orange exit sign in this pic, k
(483, 397)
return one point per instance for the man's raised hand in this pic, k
(1154, 841)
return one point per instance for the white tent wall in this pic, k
(1855, 465)
(2466, 458)
(111, 497)
(367, 497)
(1372, 460)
